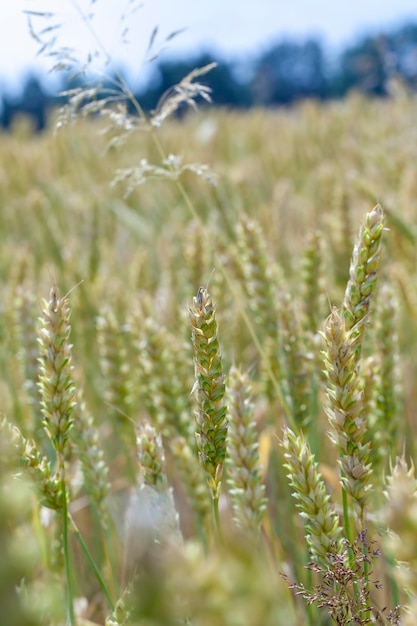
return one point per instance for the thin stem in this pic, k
(110, 559)
(217, 517)
(202, 536)
(313, 431)
(93, 564)
(70, 593)
(366, 574)
(310, 616)
(346, 521)
(91, 30)
(392, 582)
(309, 584)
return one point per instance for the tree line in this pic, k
(286, 72)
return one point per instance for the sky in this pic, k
(228, 27)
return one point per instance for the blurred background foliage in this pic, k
(282, 74)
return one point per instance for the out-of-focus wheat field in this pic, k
(272, 242)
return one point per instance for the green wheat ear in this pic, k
(55, 373)
(210, 389)
(25, 454)
(345, 409)
(322, 529)
(363, 275)
(246, 488)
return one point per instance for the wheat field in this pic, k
(208, 388)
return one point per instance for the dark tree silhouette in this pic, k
(369, 65)
(363, 67)
(405, 46)
(34, 102)
(290, 71)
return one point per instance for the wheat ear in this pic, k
(55, 373)
(209, 385)
(244, 472)
(345, 409)
(321, 521)
(363, 275)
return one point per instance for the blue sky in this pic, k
(230, 27)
